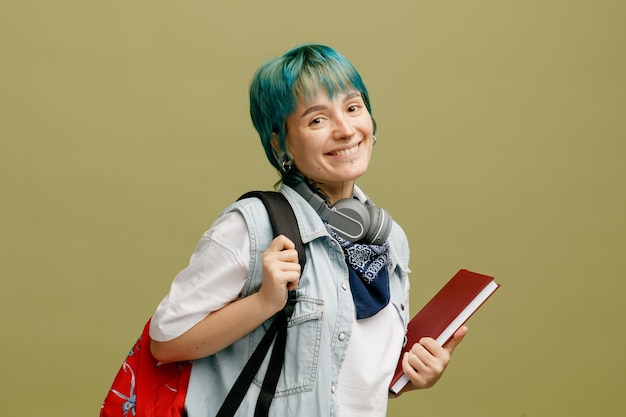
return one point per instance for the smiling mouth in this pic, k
(346, 152)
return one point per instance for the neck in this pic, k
(336, 192)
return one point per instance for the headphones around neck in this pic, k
(350, 218)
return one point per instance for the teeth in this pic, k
(346, 152)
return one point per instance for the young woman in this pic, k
(313, 114)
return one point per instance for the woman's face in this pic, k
(331, 141)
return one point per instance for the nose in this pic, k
(343, 128)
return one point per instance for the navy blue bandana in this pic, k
(369, 278)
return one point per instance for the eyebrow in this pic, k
(315, 108)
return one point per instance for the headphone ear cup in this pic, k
(350, 218)
(379, 226)
(356, 219)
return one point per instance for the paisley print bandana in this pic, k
(369, 277)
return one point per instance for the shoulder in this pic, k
(252, 211)
(257, 221)
(399, 247)
(255, 214)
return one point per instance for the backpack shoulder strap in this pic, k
(283, 221)
(282, 218)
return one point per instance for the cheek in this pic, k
(306, 157)
(303, 146)
(300, 154)
(308, 160)
(370, 126)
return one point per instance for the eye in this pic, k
(353, 108)
(317, 120)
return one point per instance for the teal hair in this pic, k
(280, 82)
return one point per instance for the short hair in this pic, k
(279, 83)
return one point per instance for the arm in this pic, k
(425, 363)
(221, 328)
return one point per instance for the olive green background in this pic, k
(124, 131)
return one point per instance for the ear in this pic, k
(274, 142)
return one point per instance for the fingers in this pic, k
(425, 363)
(281, 271)
(280, 243)
(281, 260)
(456, 338)
(422, 367)
(433, 357)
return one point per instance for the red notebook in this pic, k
(445, 313)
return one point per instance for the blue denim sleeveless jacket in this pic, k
(319, 329)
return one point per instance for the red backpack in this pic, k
(144, 387)
(160, 388)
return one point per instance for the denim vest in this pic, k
(319, 328)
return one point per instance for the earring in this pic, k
(374, 137)
(286, 164)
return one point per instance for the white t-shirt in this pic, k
(367, 357)
(215, 276)
(202, 287)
